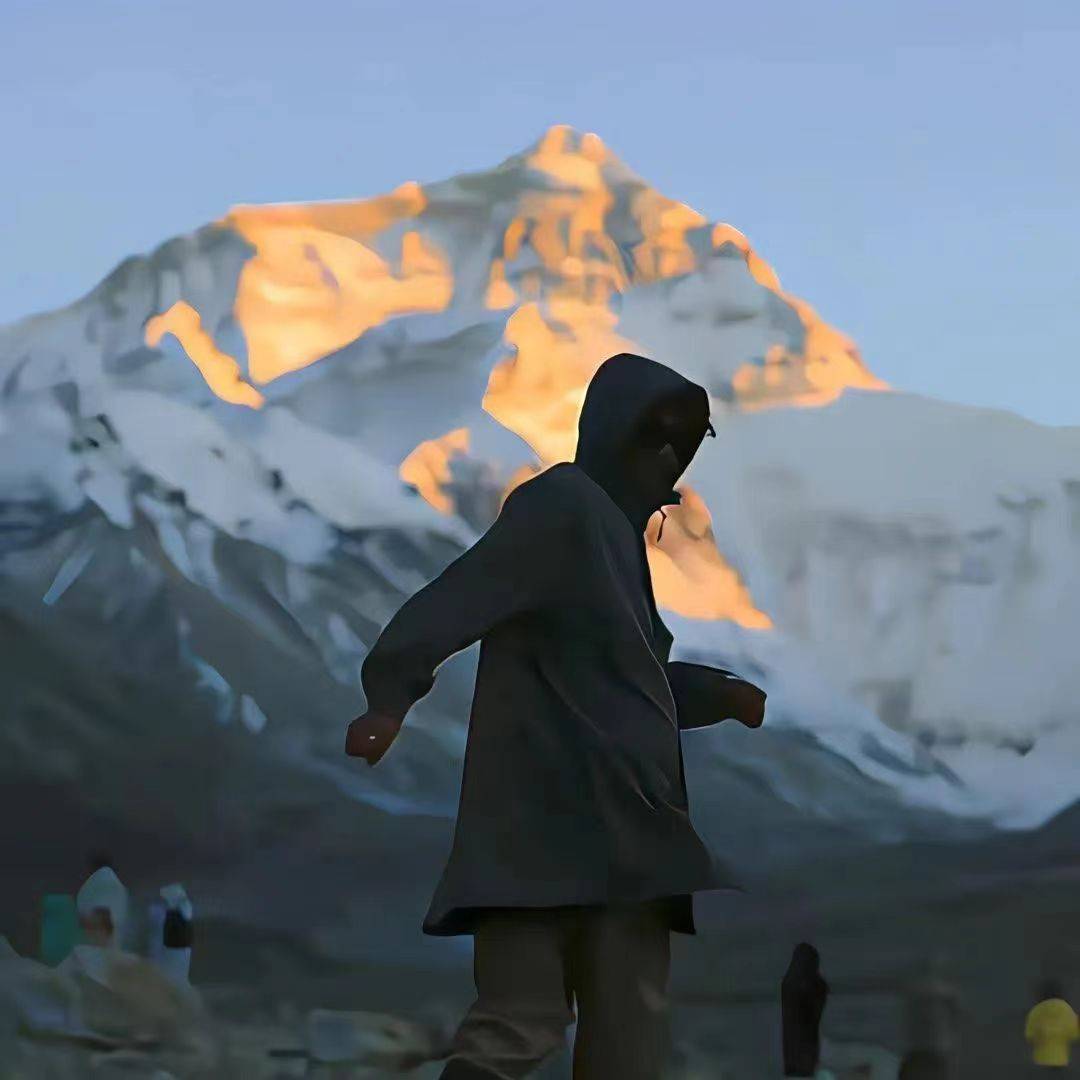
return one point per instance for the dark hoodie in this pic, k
(573, 789)
(802, 1001)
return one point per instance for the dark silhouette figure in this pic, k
(574, 856)
(803, 993)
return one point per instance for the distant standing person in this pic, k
(1051, 1029)
(803, 994)
(933, 1016)
(102, 905)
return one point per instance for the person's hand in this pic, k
(751, 701)
(370, 735)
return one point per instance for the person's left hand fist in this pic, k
(369, 736)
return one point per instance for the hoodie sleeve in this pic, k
(515, 567)
(706, 695)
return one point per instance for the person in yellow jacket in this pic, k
(1051, 1028)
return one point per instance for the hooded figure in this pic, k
(102, 904)
(802, 1001)
(934, 1013)
(1051, 1028)
(573, 855)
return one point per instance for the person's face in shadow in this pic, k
(658, 471)
(662, 458)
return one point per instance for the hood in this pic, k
(805, 958)
(640, 427)
(805, 966)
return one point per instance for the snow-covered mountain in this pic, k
(225, 467)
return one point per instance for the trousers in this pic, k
(537, 969)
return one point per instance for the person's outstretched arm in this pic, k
(512, 569)
(706, 695)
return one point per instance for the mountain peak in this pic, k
(567, 138)
(572, 159)
(562, 140)
(571, 249)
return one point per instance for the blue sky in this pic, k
(909, 168)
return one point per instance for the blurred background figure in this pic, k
(933, 1015)
(1051, 1029)
(803, 994)
(174, 955)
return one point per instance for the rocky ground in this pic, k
(1003, 910)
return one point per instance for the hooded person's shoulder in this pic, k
(559, 496)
